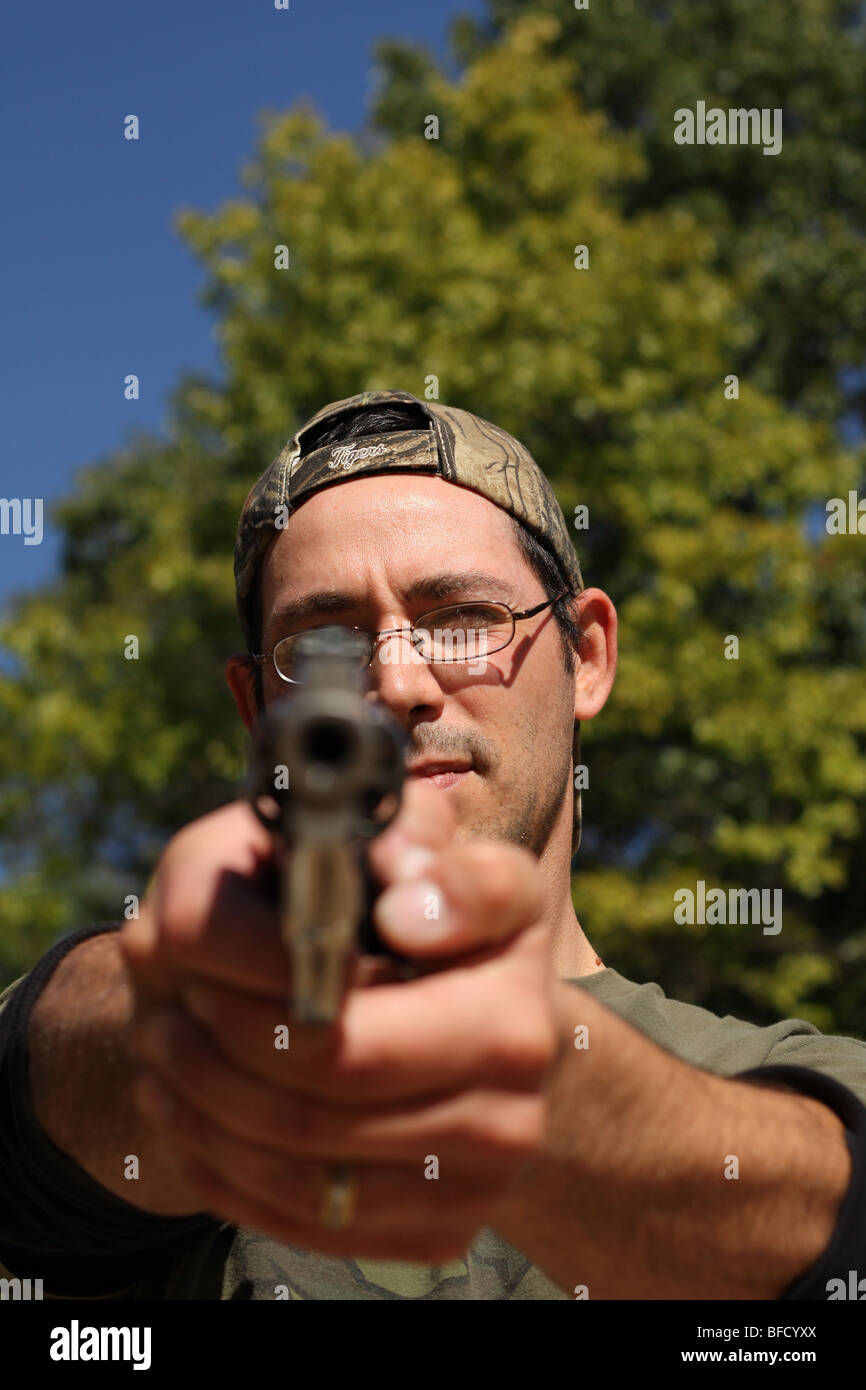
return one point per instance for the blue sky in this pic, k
(95, 283)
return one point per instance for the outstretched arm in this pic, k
(629, 1194)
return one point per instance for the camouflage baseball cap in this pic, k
(454, 444)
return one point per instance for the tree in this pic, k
(421, 263)
(791, 226)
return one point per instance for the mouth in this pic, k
(441, 774)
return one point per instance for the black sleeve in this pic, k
(56, 1222)
(847, 1248)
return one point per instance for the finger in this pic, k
(470, 896)
(482, 1131)
(235, 940)
(212, 910)
(288, 1193)
(424, 823)
(424, 1037)
(447, 1237)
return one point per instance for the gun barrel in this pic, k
(333, 765)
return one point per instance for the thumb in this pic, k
(424, 825)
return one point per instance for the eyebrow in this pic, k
(439, 586)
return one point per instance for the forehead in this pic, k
(404, 522)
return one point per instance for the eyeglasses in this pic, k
(460, 632)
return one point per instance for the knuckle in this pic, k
(504, 877)
(524, 1049)
(519, 1127)
(176, 924)
(177, 850)
(179, 910)
(497, 888)
(500, 1131)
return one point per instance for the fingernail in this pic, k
(411, 863)
(416, 909)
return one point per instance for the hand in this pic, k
(448, 1067)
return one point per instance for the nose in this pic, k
(402, 679)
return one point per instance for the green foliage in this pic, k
(791, 225)
(412, 258)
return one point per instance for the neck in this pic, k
(573, 955)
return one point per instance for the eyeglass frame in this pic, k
(261, 657)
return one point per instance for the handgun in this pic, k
(326, 776)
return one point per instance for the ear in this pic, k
(596, 669)
(241, 677)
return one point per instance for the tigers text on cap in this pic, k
(456, 445)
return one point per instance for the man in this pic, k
(517, 1121)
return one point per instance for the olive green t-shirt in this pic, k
(226, 1262)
